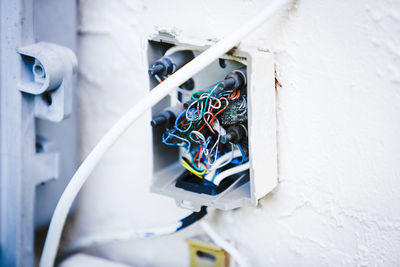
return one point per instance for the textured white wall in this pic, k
(338, 200)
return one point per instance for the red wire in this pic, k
(198, 152)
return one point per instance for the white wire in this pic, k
(155, 95)
(220, 131)
(184, 48)
(113, 237)
(222, 161)
(231, 171)
(233, 252)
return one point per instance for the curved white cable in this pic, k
(233, 252)
(228, 156)
(158, 93)
(231, 171)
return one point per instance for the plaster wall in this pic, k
(337, 202)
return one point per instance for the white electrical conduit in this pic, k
(158, 93)
(233, 252)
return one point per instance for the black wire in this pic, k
(192, 218)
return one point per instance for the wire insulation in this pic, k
(119, 236)
(218, 178)
(233, 252)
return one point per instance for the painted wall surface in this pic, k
(338, 200)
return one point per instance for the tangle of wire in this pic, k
(195, 122)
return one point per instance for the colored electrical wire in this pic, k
(187, 166)
(177, 120)
(207, 104)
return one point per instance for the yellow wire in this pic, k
(189, 168)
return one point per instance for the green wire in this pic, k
(209, 92)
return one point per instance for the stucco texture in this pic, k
(337, 202)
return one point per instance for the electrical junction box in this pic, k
(248, 186)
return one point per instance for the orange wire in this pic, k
(185, 124)
(206, 121)
(232, 95)
(227, 104)
(238, 94)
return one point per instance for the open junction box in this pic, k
(251, 108)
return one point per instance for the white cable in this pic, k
(155, 95)
(107, 238)
(222, 161)
(118, 236)
(228, 156)
(229, 172)
(184, 48)
(233, 252)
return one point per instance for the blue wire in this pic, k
(215, 175)
(177, 120)
(185, 142)
(243, 159)
(243, 154)
(207, 142)
(194, 118)
(234, 161)
(170, 134)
